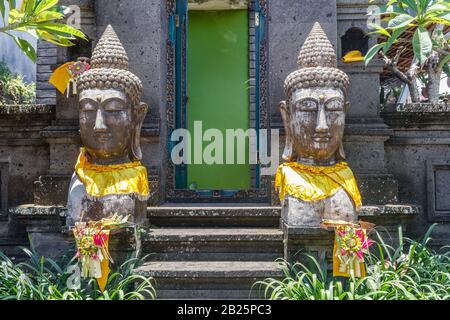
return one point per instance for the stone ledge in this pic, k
(390, 210)
(212, 211)
(26, 109)
(441, 107)
(33, 211)
(213, 235)
(210, 269)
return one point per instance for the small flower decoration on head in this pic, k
(79, 68)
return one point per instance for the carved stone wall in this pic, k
(418, 154)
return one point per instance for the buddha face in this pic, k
(106, 125)
(317, 122)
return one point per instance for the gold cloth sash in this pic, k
(102, 180)
(312, 183)
(103, 280)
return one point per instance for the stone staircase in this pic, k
(212, 252)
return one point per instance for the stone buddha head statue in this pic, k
(111, 111)
(314, 112)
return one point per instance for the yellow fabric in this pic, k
(60, 78)
(312, 183)
(337, 264)
(105, 266)
(102, 180)
(353, 56)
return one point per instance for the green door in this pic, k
(218, 95)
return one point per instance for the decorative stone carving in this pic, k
(109, 178)
(315, 183)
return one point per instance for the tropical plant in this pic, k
(38, 18)
(431, 47)
(45, 279)
(13, 89)
(412, 271)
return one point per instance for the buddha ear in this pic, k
(346, 106)
(288, 153)
(340, 154)
(140, 111)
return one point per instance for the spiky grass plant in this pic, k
(45, 279)
(411, 271)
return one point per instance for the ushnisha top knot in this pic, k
(317, 65)
(109, 68)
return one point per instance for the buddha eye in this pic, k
(87, 105)
(114, 106)
(334, 104)
(307, 105)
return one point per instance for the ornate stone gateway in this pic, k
(216, 80)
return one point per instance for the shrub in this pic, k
(13, 89)
(45, 279)
(412, 271)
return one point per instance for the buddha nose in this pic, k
(100, 125)
(322, 125)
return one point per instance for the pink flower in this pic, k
(360, 234)
(341, 232)
(343, 252)
(366, 244)
(360, 255)
(77, 255)
(94, 256)
(99, 239)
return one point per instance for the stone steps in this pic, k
(211, 252)
(214, 216)
(214, 244)
(209, 279)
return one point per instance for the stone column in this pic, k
(365, 130)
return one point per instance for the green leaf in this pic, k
(444, 62)
(26, 47)
(393, 38)
(422, 44)
(424, 5)
(48, 16)
(12, 4)
(444, 16)
(44, 35)
(372, 52)
(446, 69)
(61, 29)
(400, 21)
(15, 16)
(412, 5)
(30, 4)
(438, 7)
(45, 5)
(379, 29)
(2, 9)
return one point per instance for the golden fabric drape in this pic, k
(102, 180)
(312, 183)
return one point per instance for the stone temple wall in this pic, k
(38, 149)
(418, 155)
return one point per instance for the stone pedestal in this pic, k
(48, 236)
(316, 242)
(319, 242)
